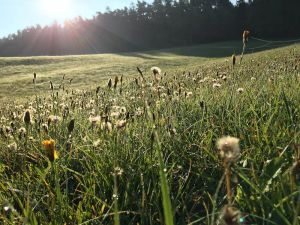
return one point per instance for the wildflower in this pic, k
(122, 110)
(216, 85)
(139, 111)
(94, 120)
(229, 148)
(31, 138)
(27, 117)
(54, 119)
(51, 152)
(115, 114)
(121, 124)
(107, 126)
(188, 94)
(172, 132)
(230, 216)
(96, 143)
(240, 90)
(13, 146)
(156, 70)
(118, 171)
(45, 127)
(22, 132)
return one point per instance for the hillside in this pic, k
(85, 70)
(148, 149)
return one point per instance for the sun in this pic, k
(56, 9)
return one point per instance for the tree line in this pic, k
(161, 24)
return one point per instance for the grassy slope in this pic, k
(17, 72)
(82, 185)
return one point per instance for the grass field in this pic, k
(86, 70)
(144, 151)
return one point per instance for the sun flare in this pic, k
(58, 9)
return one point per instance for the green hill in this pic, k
(148, 148)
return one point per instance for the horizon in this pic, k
(46, 12)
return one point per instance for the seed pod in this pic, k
(233, 60)
(109, 83)
(71, 125)
(116, 82)
(27, 117)
(51, 85)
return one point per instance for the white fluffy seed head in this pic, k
(229, 148)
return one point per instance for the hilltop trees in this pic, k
(164, 23)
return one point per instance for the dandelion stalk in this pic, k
(229, 151)
(116, 207)
(228, 183)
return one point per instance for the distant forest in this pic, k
(162, 24)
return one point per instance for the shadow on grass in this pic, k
(211, 50)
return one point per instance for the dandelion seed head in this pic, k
(156, 70)
(216, 85)
(54, 119)
(120, 124)
(13, 146)
(230, 215)
(240, 90)
(229, 148)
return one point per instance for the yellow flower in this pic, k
(51, 152)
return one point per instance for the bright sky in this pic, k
(19, 14)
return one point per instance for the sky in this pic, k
(18, 14)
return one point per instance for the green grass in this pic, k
(85, 70)
(162, 167)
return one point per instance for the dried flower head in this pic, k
(53, 119)
(22, 132)
(71, 125)
(45, 127)
(118, 171)
(27, 117)
(106, 126)
(229, 148)
(216, 85)
(240, 90)
(230, 216)
(109, 83)
(120, 124)
(13, 146)
(246, 35)
(96, 143)
(51, 152)
(233, 60)
(156, 70)
(94, 120)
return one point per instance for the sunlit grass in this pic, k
(146, 151)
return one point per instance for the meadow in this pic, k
(93, 140)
